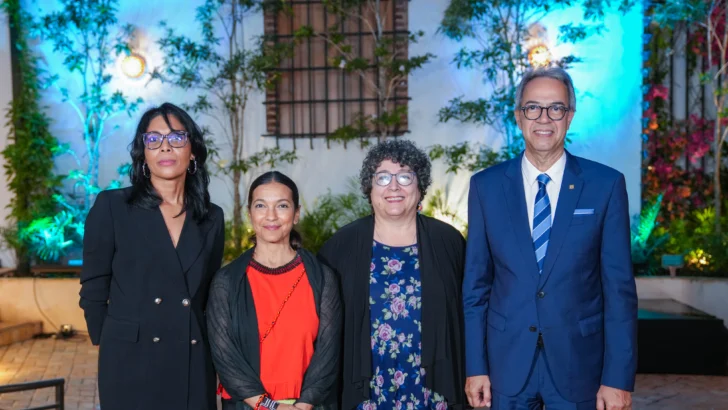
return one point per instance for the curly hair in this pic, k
(399, 151)
(197, 196)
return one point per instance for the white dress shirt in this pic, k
(530, 185)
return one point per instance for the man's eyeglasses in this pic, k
(176, 139)
(554, 112)
(385, 178)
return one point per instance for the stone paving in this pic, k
(75, 360)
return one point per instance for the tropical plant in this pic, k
(330, 212)
(225, 75)
(643, 241)
(436, 206)
(87, 34)
(710, 18)
(29, 154)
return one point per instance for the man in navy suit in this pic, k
(549, 294)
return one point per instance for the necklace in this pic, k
(278, 314)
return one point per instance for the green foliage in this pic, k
(466, 156)
(87, 35)
(50, 237)
(695, 238)
(502, 29)
(29, 154)
(222, 68)
(329, 213)
(707, 21)
(644, 242)
(232, 248)
(437, 207)
(382, 73)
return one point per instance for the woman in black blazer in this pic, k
(401, 276)
(150, 252)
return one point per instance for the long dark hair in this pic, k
(197, 196)
(275, 176)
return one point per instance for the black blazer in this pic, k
(442, 258)
(144, 304)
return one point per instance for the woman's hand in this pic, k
(303, 406)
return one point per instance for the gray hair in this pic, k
(557, 73)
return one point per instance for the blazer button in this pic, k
(155, 340)
(541, 294)
(532, 328)
(185, 302)
(158, 300)
(193, 342)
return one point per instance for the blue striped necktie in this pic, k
(541, 221)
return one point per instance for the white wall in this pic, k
(6, 96)
(606, 127)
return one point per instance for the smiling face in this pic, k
(544, 136)
(273, 213)
(167, 162)
(394, 200)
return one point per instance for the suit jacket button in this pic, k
(155, 340)
(185, 302)
(193, 341)
(541, 294)
(158, 300)
(532, 328)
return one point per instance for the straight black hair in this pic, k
(274, 176)
(197, 196)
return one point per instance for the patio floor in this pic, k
(75, 360)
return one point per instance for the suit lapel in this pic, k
(569, 194)
(516, 199)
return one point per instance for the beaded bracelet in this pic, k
(260, 400)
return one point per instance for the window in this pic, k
(334, 79)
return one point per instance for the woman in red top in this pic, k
(274, 314)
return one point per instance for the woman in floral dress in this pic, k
(401, 275)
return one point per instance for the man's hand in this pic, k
(477, 388)
(609, 398)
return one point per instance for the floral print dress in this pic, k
(395, 301)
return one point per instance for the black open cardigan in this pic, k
(441, 251)
(234, 338)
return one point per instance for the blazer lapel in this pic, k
(151, 224)
(190, 245)
(516, 200)
(569, 194)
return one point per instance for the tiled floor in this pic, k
(75, 360)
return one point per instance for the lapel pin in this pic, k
(571, 186)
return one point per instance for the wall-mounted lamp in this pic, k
(133, 65)
(537, 42)
(539, 56)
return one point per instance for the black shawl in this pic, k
(234, 338)
(442, 258)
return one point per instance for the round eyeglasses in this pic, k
(555, 112)
(385, 178)
(176, 139)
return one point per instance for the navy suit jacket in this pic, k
(584, 303)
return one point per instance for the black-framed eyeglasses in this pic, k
(176, 139)
(385, 178)
(555, 112)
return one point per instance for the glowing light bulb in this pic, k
(133, 66)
